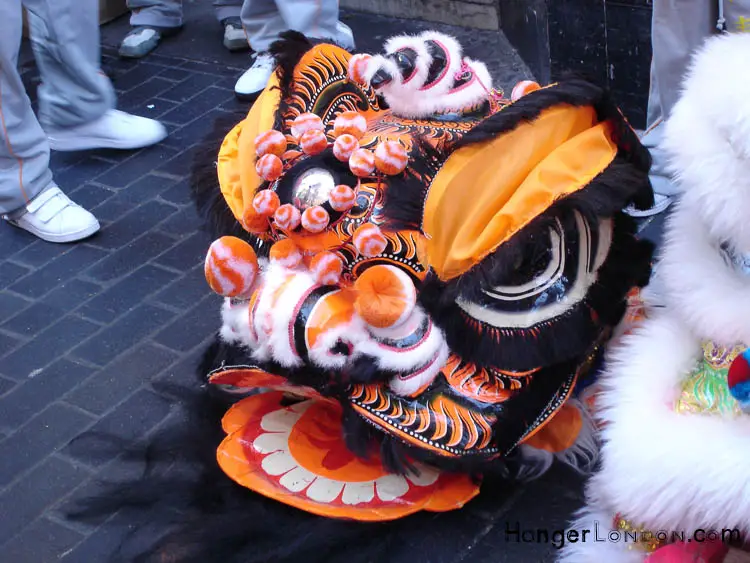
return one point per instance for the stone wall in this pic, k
(479, 14)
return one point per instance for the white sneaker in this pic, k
(346, 37)
(113, 130)
(53, 217)
(256, 77)
(234, 35)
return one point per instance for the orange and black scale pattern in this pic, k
(439, 424)
(321, 86)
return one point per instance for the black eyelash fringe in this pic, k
(628, 265)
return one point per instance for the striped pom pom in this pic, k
(313, 142)
(342, 198)
(369, 240)
(306, 122)
(344, 146)
(286, 253)
(326, 268)
(362, 163)
(266, 202)
(315, 219)
(522, 88)
(269, 167)
(386, 296)
(254, 222)
(231, 267)
(350, 123)
(270, 142)
(391, 157)
(287, 217)
(357, 68)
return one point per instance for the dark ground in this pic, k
(87, 329)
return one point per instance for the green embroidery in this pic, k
(705, 390)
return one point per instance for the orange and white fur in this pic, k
(664, 470)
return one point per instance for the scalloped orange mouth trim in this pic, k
(296, 455)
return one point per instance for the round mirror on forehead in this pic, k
(313, 187)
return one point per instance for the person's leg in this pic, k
(24, 152)
(28, 196)
(76, 99)
(316, 19)
(262, 23)
(65, 39)
(678, 27)
(263, 20)
(228, 13)
(151, 21)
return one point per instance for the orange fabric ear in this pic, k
(486, 193)
(236, 164)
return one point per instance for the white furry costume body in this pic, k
(664, 470)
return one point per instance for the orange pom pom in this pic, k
(315, 219)
(286, 253)
(306, 122)
(266, 202)
(270, 142)
(386, 296)
(391, 157)
(287, 217)
(326, 268)
(522, 88)
(313, 141)
(231, 267)
(344, 146)
(269, 167)
(350, 123)
(357, 68)
(369, 240)
(362, 163)
(342, 198)
(254, 222)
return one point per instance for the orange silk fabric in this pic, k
(236, 165)
(488, 192)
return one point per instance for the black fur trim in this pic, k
(628, 265)
(182, 508)
(403, 207)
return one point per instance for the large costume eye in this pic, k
(554, 273)
(312, 187)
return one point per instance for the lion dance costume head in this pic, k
(416, 270)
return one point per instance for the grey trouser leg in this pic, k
(227, 9)
(263, 20)
(24, 151)
(678, 27)
(65, 37)
(158, 13)
(168, 13)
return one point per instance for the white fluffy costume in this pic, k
(673, 399)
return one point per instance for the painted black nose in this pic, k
(381, 78)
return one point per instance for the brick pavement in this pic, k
(86, 330)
